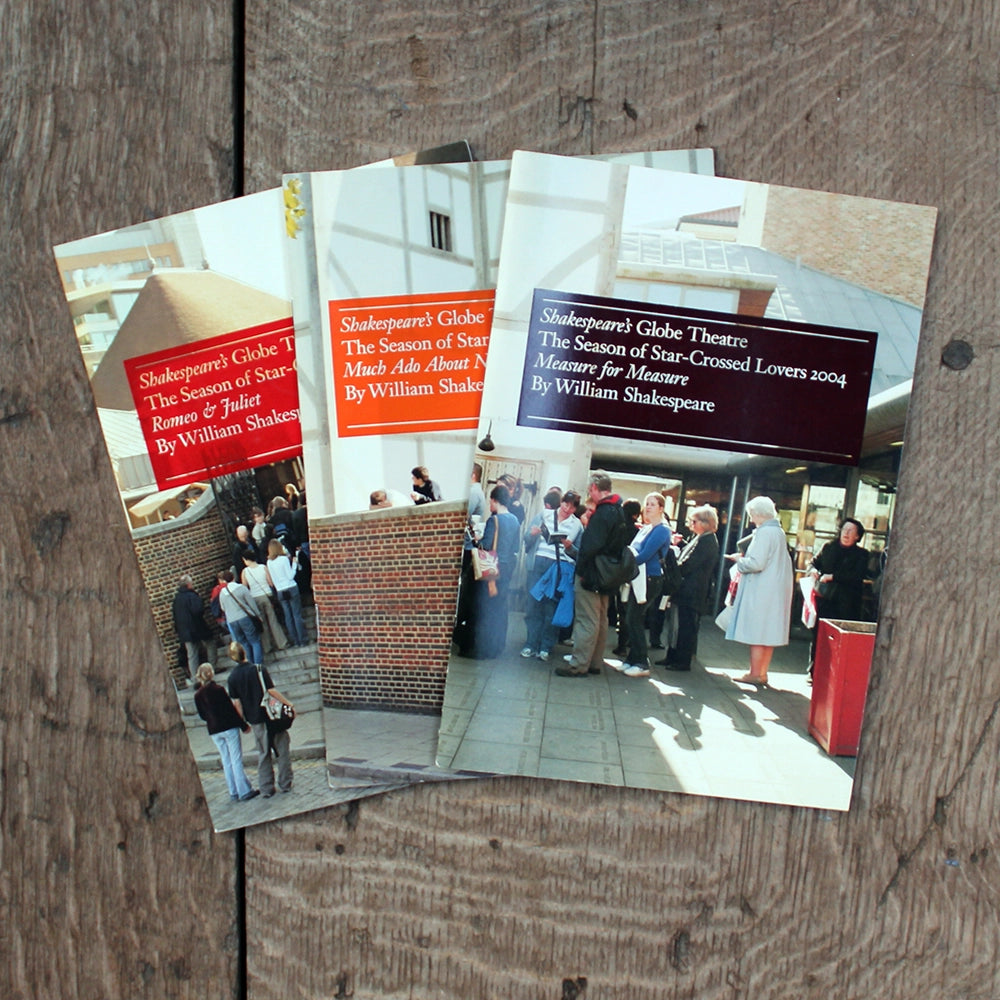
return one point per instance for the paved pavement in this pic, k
(697, 732)
(383, 746)
(295, 673)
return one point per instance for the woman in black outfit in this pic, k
(840, 570)
(224, 726)
(698, 560)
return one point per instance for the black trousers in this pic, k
(686, 645)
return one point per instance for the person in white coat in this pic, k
(762, 610)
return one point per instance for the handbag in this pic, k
(724, 617)
(808, 587)
(734, 586)
(485, 562)
(672, 576)
(279, 715)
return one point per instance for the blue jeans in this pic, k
(540, 634)
(248, 636)
(291, 604)
(231, 754)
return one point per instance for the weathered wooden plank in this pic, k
(396, 78)
(112, 882)
(503, 888)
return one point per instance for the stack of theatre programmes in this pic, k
(737, 358)
(709, 372)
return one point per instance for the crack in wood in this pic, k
(352, 814)
(15, 417)
(149, 810)
(573, 106)
(939, 818)
(680, 951)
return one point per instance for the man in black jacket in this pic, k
(190, 625)
(604, 534)
(698, 561)
(247, 694)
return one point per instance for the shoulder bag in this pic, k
(279, 715)
(252, 615)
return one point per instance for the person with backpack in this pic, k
(281, 525)
(248, 684)
(604, 536)
(697, 562)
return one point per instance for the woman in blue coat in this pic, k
(762, 611)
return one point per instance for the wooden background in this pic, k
(111, 880)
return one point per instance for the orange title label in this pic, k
(409, 363)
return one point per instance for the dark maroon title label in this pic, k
(690, 377)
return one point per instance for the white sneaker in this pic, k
(634, 670)
(527, 652)
(618, 665)
(543, 656)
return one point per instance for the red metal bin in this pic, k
(840, 684)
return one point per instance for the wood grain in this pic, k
(112, 882)
(504, 888)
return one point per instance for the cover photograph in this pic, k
(185, 327)
(393, 296)
(691, 424)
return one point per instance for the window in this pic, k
(440, 231)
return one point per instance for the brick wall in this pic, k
(194, 543)
(385, 584)
(881, 246)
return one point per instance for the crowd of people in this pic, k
(568, 595)
(257, 603)
(562, 546)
